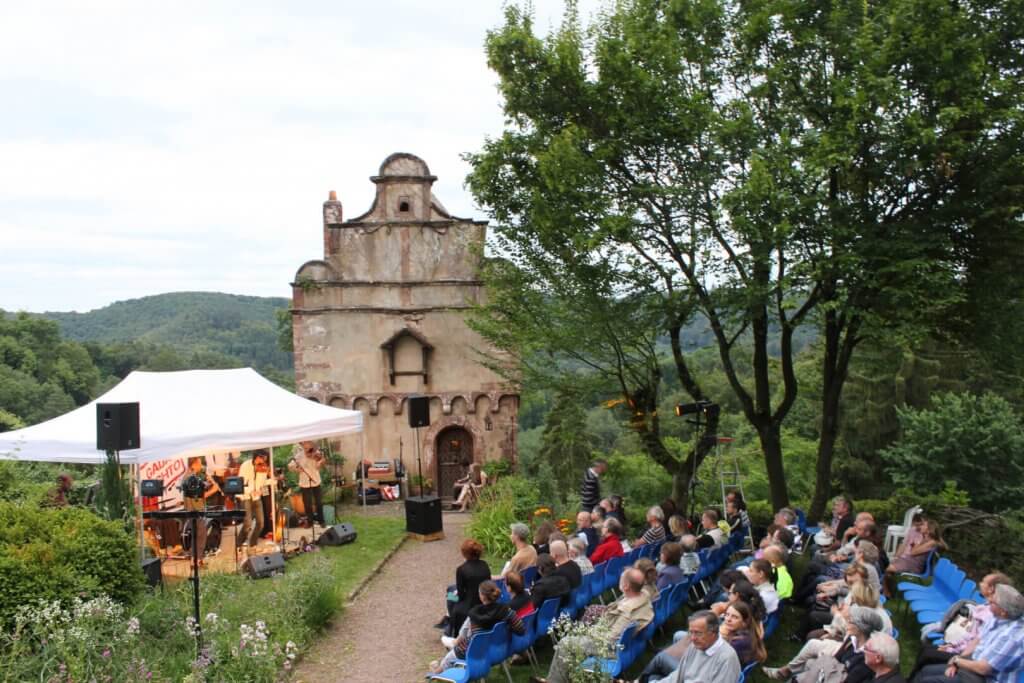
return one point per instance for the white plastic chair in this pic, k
(895, 534)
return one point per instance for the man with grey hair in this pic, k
(882, 655)
(999, 654)
(633, 607)
(526, 554)
(709, 658)
(655, 527)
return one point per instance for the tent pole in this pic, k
(137, 485)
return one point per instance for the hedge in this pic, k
(48, 554)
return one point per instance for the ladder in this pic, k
(729, 476)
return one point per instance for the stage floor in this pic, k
(227, 561)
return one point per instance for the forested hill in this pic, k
(243, 327)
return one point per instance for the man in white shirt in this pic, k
(307, 460)
(255, 471)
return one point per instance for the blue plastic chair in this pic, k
(503, 587)
(931, 565)
(772, 621)
(616, 565)
(583, 594)
(518, 644)
(529, 576)
(613, 667)
(746, 672)
(638, 644)
(597, 581)
(476, 663)
(546, 616)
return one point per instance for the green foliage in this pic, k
(51, 555)
(512, 499)
(640, 483)
(963, 436)
(566, 446)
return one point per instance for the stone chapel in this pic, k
(382, 317)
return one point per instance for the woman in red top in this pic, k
(611, 542)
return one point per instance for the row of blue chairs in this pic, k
(494, 647)
(949, 584)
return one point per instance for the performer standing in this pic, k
(195, 489)
(255, 472)
(307, 461)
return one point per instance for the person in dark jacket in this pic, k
(590, 490)
(519, 596)
(482, 617)
(550, 584)
(586, 531)
(565, 566)
(468, 578)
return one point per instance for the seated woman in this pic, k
(763, 576)
(520, 602)
(669, 571)
(860, 624)
(482, 617)
(913, 552)
(542, 537)
(469, 486)
(463, 595)
(824, 608)
(655, 532)
(650, 570)
(676, 528)
(739, 628)
(578, 554)
(611, 542)
(741, 590)
(862, 595)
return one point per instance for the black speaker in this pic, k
(263, 566)
(423, 515)
(152, 487)
(339, 534)
(419, 411)
(151, 570)
(117, 426)
(234, 486)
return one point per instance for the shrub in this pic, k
(57, 555)
(512, 499)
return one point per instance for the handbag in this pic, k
(823, 669)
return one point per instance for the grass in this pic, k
(295, 606)
(780, 648)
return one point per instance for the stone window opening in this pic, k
(389, 346)
(403, 205)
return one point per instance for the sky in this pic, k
(188, 146)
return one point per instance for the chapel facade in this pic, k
(382, 317)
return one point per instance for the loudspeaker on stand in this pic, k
(419, 411)
(117, 426)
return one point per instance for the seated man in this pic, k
(999, 654)
(689, 562)
(786, 519)
(882, 655)
(712, 536)
(634, 607)
(550, 584)
(709, 658)
(578, 554)
(842, 519)
(564, 566)
(525, 555)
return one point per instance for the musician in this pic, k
(196, 487)
(255, 472)
(308, 461)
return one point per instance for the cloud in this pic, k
(189, 146)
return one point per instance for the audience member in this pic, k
(519, 597)
(464, 594)
(709, 657)
(578, 553)
(676, 528)
(650, 570)
(736, 511)
(525, 555)
(763, 576)
(597, 516)
(999, 654)
(633, 607)
(611, 542)
(549, 584)
(488, 612)
(842, 519)
(668, 508)
(712, 536)
(542, 537)
(822, 655)
(618, 510)
(786, 519)
(669, 571)
(690, 560)
(564, 566)
(882, 656)
(586, 531)
(776, 556)
(655, 532)
(911, 556)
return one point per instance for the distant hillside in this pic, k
(243, 327)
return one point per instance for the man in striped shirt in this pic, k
(590, 491)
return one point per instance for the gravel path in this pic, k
(387, 633)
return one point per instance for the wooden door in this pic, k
(454, 448)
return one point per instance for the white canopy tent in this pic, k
(194, 412)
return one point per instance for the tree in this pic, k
(966, 438)
(565, 443)
(763, 165)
